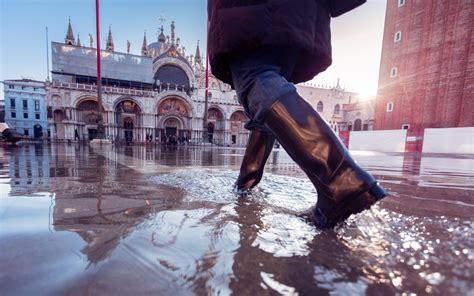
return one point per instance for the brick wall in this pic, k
(433, 86)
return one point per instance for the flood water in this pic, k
(164, 221)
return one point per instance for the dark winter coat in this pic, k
(237, 26)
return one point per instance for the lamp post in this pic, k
(100, 120)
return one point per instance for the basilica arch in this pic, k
(87, 117)
(128, 120)
(238, 134)
(59, 129)
(173, 118)
(216, 125)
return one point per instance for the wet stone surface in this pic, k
(164, 221)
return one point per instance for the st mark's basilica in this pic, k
(154, 96)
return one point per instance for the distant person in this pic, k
(261, 48)
(76, 135)
(9, 134)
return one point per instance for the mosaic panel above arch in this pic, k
(215, 114)
(239, 116)
(173, 106)
(128, 107)
(88, 105)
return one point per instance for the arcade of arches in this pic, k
(129, 123)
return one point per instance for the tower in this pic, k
(78, 40)
(110, 42)
(69, 40)
(425, 79)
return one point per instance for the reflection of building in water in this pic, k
(103, 220)
(101, 202)
(29, 169)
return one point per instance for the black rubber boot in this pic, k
(11, 135)
(258, 149)
(343, 187)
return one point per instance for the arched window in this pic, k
(357, 125)
(337, 109)
(173, 75)
(320, 106)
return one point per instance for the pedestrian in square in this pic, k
(262, 48)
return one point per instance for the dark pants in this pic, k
(260, 78)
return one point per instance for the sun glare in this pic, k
(365, 96)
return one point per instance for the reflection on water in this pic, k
(146, 220)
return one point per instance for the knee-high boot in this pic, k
(343, 187)
(259, 147)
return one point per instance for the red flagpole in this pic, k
(100, 123)
(205, 135)
(97, 29)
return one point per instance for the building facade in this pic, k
(157, 95)
(25, 107)
(426, 70)
(340, 108)
(358, 116)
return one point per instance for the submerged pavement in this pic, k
(76, 220)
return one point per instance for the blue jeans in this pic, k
(260, 78)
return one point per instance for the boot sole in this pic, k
(354, 205)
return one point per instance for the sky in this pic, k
(356, 36)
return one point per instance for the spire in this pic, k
(110, 42)
(197, 56)
(70, 35)
(144, 46)
(78, 40)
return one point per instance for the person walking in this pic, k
(262, 48)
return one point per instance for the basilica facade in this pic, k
(154, 96)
